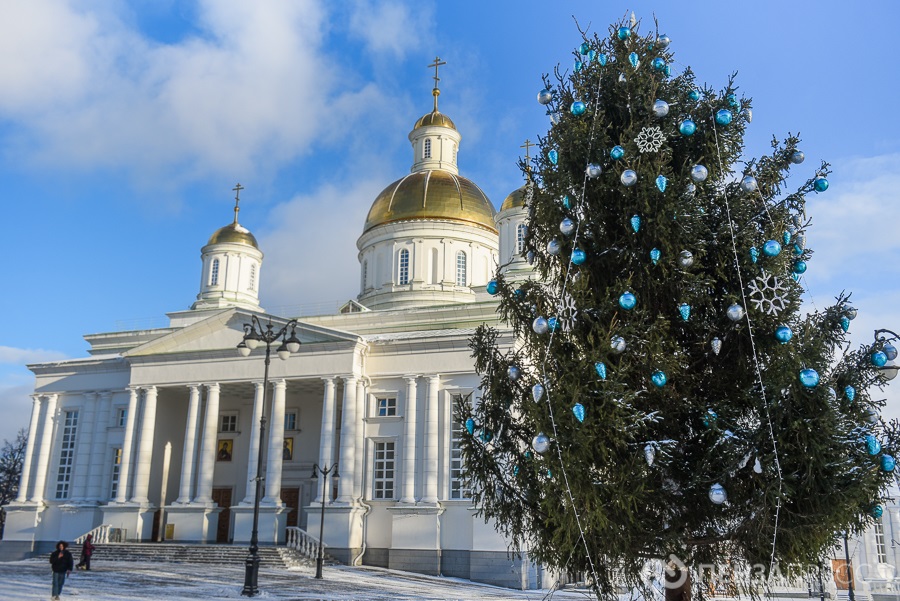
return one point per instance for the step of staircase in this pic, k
(274, 557)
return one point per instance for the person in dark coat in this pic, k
(61, 563)
(87, 549)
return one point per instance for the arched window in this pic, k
(404, 268)
(253, 276)
(214, 273)
(427, 153)
(521, 230)
(460, 268)
(365, 273)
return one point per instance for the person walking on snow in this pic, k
(87, 549)
(61, 563)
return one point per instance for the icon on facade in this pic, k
(226, 446)
(288, 453)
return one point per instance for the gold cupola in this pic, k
(234, 232)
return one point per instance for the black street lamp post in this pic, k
(320, 556)
(849, 571)
(255, 334)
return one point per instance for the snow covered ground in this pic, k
(115, 581)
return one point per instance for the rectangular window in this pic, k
(117, 464)
(290, 420)
(460, 268)
(121, 417)
(228, 422)
(880, 550)
(386, 407)
(403, 278)
(458, 486)
(383, 481)
(66, 454)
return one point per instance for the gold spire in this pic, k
(237, 199)
(436, 91)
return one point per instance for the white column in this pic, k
(360, 438)
(145, 448)
(125, 466)
(96, 472)
(207, 464)
(80, 474)
(259, 398)
(276, 445)
(431, 441)
(409, 442)
(40, 480)
(189, 453)
(29, 448)
(348, 440)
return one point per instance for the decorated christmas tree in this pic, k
(657, 393)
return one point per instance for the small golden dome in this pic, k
(434, 194)
(516, 198)
(233, 233)
(434, 118)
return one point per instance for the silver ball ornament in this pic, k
(545, 96)
(540, 325)
(553, 247)
(540, 443)
(660, 109)
(735, 312)
(699, 173)
(663, 41)
(593, 170)
(629, 177)
(513, 372)
(567, 226)
(685, 259)
(797, 157)
(717, 494)
(618, 344)
(749, 184)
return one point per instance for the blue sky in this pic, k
(124, 126)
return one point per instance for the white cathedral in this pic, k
(156, 432)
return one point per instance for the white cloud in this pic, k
(22, 356)
(391, 27)
(15, 402)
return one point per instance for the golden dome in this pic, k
(516, 198)
(233, 233)
(433, 194)
(434, 118)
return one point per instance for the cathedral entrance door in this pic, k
(291, 498)
(222, 497)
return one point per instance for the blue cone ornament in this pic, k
(659, 64)
(798, 157)
(717, 494)
(486, 436)
(772, 248)
(578, 108)
(660, 109)
(492, 287)
(470, 425)
(567, 226)
(616, 153)
(585, 48)
(749, 184)
(821, 184)
(873, 446)
(578, 410)
(578, 65)
(602, 59)
(735, 312)
(624, 33)
(553, 155)
(635, 223)
(578, 256)
(567, 202)
(876, 512)
(600, 368)
(553, 324)
(786, 237)
(879, 359)
(654, 255)
(799, 267)
(659, 378)
(754, 254)
(888, 463)
(890, 350)
(545, 96)
(709, 418)
(694, 95)
(667, 70)
(797, 250)
(593, 170)
(540, 325)
(537, 391)
(732, 100)
(629, 177)
(783, 334)
(809, 378)
(723, 117)
(591, 55)
(634, 59)
(687, 127)
(661, 182)
(845, 324)
(540, 443)
(685, 310)
(850, 393)
(663, 41)
(553, 247)
(627, 301)
(618, 344)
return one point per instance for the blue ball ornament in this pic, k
(888, 463)
(627, 301)
(799, 267)
(687, 127)
(658, 63)
(578, 256)
(577, 108)
(772, 248)
(873, 446)
(723, 117)
(879, 359)
(616, 153)
(809, 378)
(493, 287)
(709, 418)
(877, 511)
(694, 95)
(821, 184)
(624, 33)
(545, 96)
(732, 100)
(659, 378)
(783, 334)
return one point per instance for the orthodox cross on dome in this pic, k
(527, 146)
(436, 91)
(237, 199)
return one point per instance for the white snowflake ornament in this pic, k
(567, 313)
(768, 294)
(650, 139)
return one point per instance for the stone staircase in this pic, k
(270, 557)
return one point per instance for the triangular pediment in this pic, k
(223, 330)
